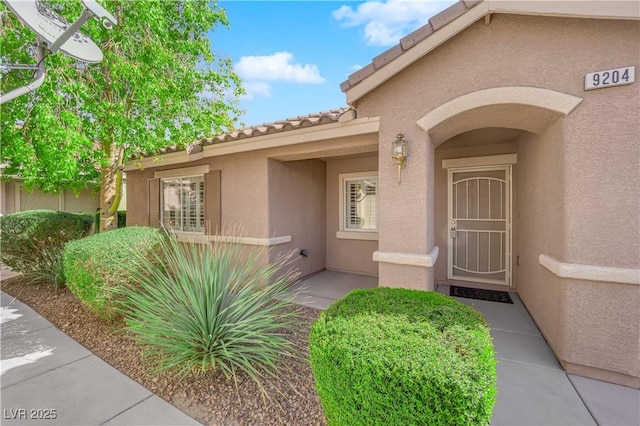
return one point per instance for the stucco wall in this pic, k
(244, 192)
(601, 155)
(285, 191)
(347, 254)
(577, 183)
(297, 208)
(602, 330)
(591, 325)
(86, 201)
(540, 223)
(137, 212)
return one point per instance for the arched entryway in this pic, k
(475, 141)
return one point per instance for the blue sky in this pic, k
(293, 55)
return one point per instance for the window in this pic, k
(359, 204)
(183, 203)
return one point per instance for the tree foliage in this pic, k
(159, 84)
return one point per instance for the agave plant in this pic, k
(199, 308)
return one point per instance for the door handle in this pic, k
(452, 232)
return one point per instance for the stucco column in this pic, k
(406, 226)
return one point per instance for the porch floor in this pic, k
(533, 388)
(322, 289)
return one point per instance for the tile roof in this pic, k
(435, 23)
(300, 122)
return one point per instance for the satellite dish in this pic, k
(50, 26)
(57, 34)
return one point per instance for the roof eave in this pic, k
(334, 130)
(427, 38)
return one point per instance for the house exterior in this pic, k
(522, 173)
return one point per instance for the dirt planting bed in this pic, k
(209, 398)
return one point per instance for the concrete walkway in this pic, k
(50, 379)
(45, 373)
(533, 389)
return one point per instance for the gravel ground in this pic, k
(209, 398)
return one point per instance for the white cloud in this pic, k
(386, 22)
(277, 67)
(256, 88)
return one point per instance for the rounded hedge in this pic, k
(387, 356)
(29, 237)
(99, 266)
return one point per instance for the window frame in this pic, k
(203, 203)
(350, 233)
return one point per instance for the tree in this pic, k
(159, 84)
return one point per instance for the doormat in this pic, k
(476, 293)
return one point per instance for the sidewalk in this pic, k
(49, 378)
(533, 388)
(45, 373)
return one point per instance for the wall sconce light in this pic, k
(400, 154)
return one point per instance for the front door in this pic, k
(480, 224)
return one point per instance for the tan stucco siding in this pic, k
(86, 201)
(592, 326)
(576, 187)
(599, 151)
(602, 178)
(347, 254)
(297, 208)
(284, 192)
(539, 221)
(137, 193)
(243, 192)
(603, 331)
(552, 53)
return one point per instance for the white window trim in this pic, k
(171, 177)
(487, 160)
(354, 234)
(186, 237)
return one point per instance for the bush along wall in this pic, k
(99, 266)
(121, 215)
(387, 356)
(33, 239)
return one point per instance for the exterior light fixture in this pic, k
(400, 154)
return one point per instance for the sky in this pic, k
(293, 55)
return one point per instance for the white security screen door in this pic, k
(480, 224)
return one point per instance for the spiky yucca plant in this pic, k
(200, 308)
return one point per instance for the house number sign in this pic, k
(609, 78)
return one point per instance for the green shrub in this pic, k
(98, 266)
(403, 357)
(32, 240)
(96, 221)
(121, 218)
(200, 308)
